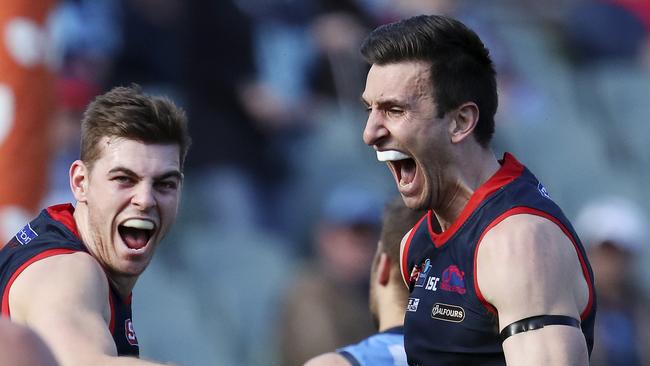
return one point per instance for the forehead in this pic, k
(142, 158)
(398, 81)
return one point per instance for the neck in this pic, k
(474, 166)
(391, 308)
(123, 284)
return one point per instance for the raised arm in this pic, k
(527, 266)
(64, 299)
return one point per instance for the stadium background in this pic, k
(272, 91)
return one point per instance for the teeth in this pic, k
(391, 155)
(139, 224)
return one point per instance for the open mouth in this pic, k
(135, 233)
(402, 166)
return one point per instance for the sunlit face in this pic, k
(128, 202)
(403, 128)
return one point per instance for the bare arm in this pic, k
(21, 346)
(328, 359)
(526, 267)
(65, 300)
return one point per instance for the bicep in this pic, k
(551, 345)
(65, 300)
(527, 267)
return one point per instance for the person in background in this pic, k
(615, 233)
(388, 298)
(326, 306)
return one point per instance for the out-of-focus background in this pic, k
(268, 263)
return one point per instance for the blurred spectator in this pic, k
(72, 96)
(388, 297)
(615, 233)
(604, 31)
(337, 73)
(87, 34)
(326, 307)
(151, 45)
(232, 117)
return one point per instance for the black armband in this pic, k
(537, 322)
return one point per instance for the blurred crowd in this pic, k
(268, 263)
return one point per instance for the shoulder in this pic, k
(520, 265)
(67, 278)
(328, 359)
(76, 267)
(525, 237)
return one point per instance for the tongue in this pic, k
(135, 238)
(407, 172)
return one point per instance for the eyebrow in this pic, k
(385, 102)
(170, 174)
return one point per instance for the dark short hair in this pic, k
(461, 68)
(129, 113)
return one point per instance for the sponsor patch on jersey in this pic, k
(542, 190)
(422, 275)
(453, 280)
(449, 313)
(26, 234)
(130, 333)
(413, 304)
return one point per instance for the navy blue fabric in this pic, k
(446, 323)
(43, 234)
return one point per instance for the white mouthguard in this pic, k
(391, 155)
(139, 224)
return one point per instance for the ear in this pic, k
(464, 122)
(79, 176)
(383, 269)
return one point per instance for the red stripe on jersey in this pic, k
(510, 170)
(63, 214)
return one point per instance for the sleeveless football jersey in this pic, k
(448, 322)
(381, 349)
(54, 232)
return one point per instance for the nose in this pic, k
(143, 197)
(375, 129)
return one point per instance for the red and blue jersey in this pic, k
(448, 322)
(54, 232)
